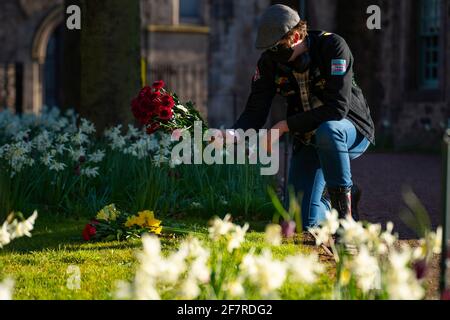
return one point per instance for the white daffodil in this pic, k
(5, 236)
(235, 288)
(87, 126)
(328, 228)
(20, 229)
(151, 246)
(220, 227)
(57, 166)
(436, 241)
(273, 234)
(79, 138)
(190, 289)
(304, 268)
(6, 289)
(264, 272)
(76, 154)
(90, 172)
(47, 159)
(388, 237)
(123, 290)
(366, 270)
(401, 280)
(353, 232)
(237, 237)
(331, 221)
(199, 269)
(97, 156)
(62, 138)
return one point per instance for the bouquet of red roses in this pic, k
(158, 109)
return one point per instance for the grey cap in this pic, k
(275, 22)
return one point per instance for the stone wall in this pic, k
(233, 57)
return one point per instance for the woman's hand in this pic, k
(282, 128)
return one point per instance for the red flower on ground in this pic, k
(89, 231)
(165, 113)
(153, 128)
(158, 85)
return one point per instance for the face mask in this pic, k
(302, 62)
(281, 54)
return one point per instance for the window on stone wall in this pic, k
(190, 11)
(430, 23)
(302, 9)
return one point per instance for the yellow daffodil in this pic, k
(145, 219)
(345, 277)
(108, 213)
(156, 230)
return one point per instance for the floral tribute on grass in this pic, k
(111, 223)
(158, 109)
(221, 267)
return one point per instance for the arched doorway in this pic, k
(52, 69)
(47, 61)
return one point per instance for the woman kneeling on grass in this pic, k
(327, 114)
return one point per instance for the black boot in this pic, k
(355, 198)
(341, 200)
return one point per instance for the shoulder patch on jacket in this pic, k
(338, 67)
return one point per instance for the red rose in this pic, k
(153, 128)
(146, 91)
(158, 85)
(155, 95)
(88, 232)
(142, 109)
(165, 113)
(167, 101)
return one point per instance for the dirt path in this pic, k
(381, 177)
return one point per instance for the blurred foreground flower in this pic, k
(10, 230)
(218, 269)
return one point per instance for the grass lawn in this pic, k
(39, 265)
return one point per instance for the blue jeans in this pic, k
(326, 161)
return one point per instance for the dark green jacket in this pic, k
(333, 92)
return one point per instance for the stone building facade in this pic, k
(204, 50)
(174, 35)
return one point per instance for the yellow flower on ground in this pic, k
(145, 219)
(156, 230)
(108, 213)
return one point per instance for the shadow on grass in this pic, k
(61, 234)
